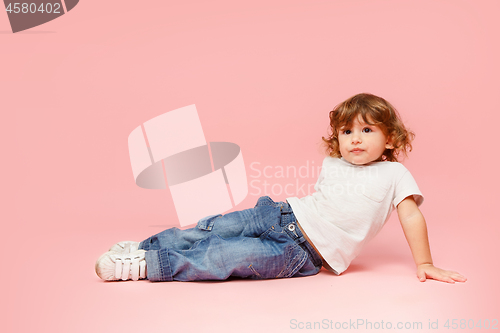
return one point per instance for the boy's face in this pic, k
(362, 143)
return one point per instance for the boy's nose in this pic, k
(356, 139)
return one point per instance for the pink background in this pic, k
(263, 74)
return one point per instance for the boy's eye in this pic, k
(367, 130)
(347, 131)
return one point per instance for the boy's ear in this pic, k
(388, 144)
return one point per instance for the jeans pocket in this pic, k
(278, 263)
(295, 258)
(207, 223)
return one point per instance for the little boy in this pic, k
(360, 184)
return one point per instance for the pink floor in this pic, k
(55, 289)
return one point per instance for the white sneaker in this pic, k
(112, 266)
(125, 247)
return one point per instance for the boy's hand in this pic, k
(415, 230)
(429, 271)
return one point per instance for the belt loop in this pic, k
(286, 209)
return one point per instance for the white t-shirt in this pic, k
(351, 205)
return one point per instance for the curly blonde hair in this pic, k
(375, 111)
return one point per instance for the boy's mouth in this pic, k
(356, 150)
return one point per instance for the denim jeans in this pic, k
(259, 243)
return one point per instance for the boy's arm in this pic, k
(415, 231)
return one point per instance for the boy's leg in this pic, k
(272, 255)
(246, 223)
(254, 243)
(216, 258)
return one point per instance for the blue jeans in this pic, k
(259, 243)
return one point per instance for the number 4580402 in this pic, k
(32, 8)
(471, 323)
